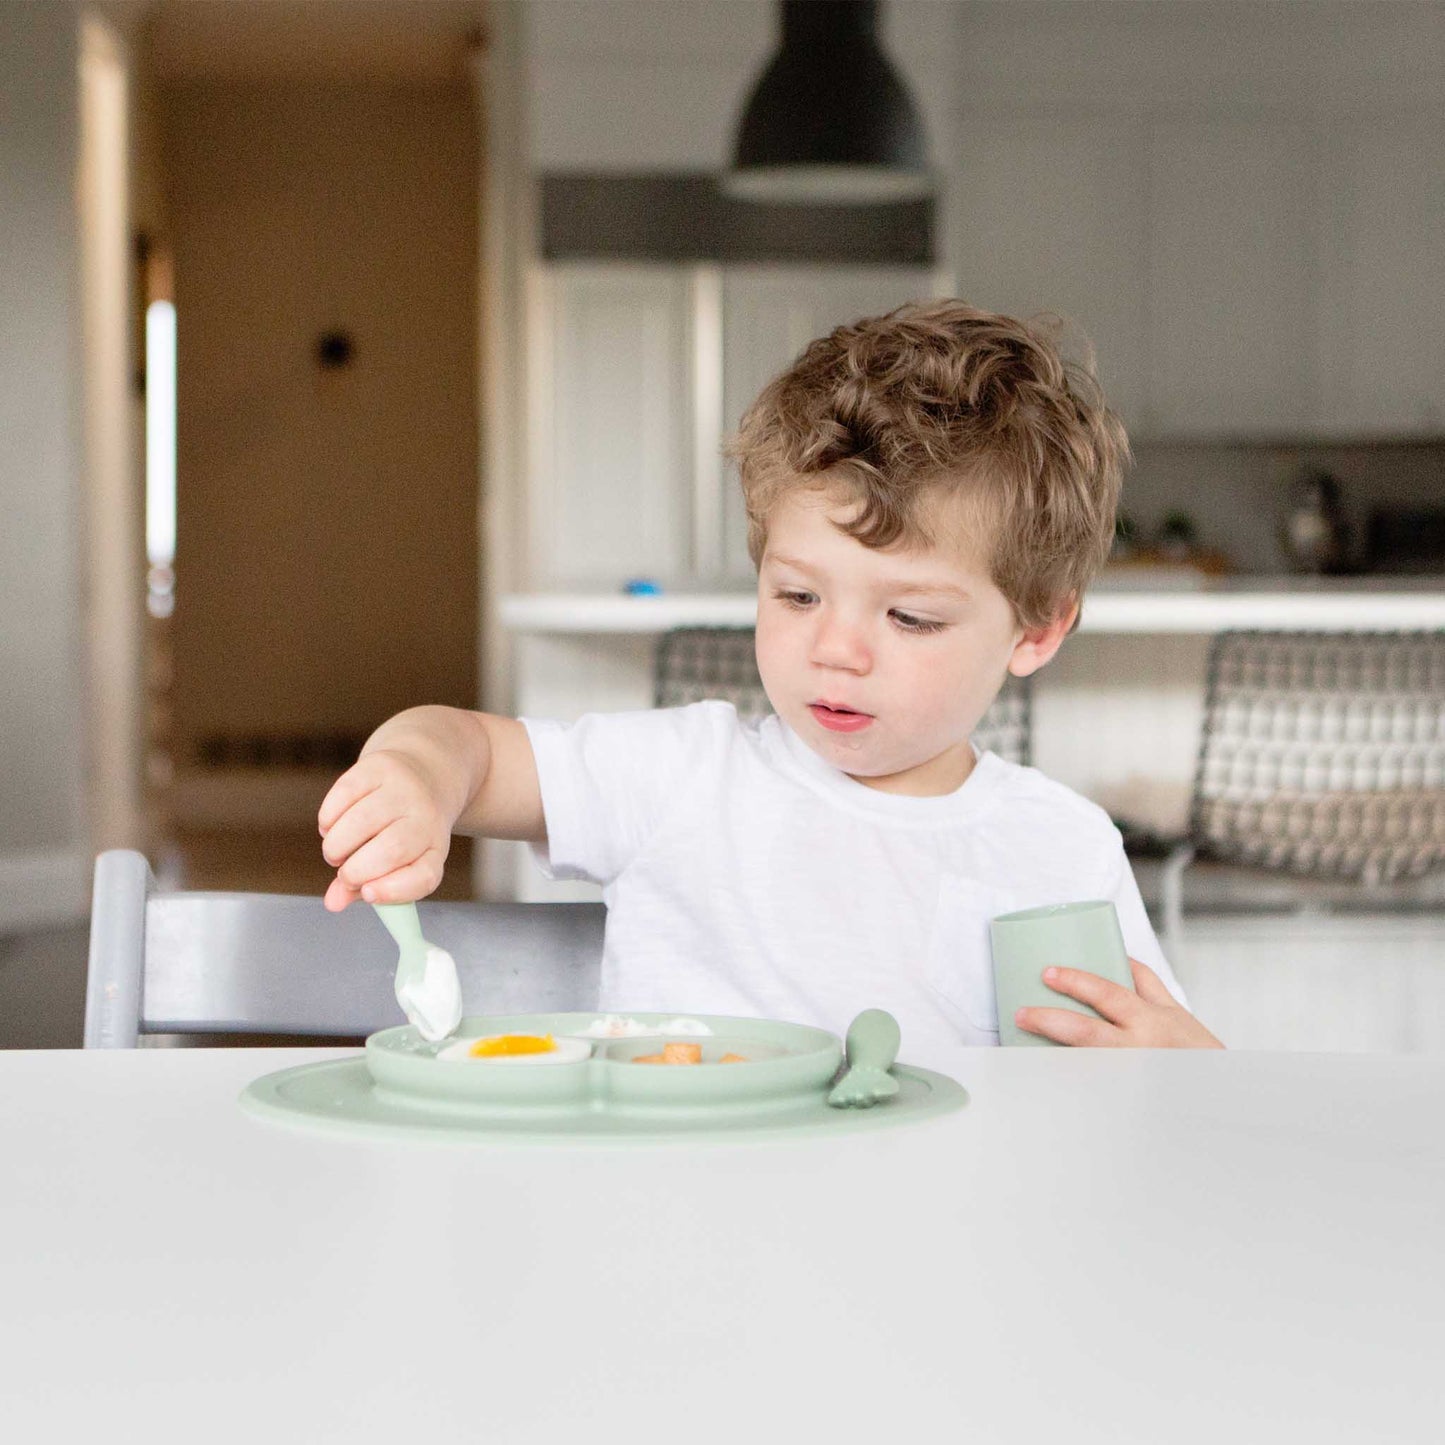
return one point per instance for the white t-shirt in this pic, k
(744, 875)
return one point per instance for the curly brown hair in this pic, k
(942, 400)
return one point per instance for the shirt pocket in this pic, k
(959, 963)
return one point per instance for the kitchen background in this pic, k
(461, 314)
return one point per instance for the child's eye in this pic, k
(794, 598)
(909, 623)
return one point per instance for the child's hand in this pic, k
(1149, 1019)
(384, 831)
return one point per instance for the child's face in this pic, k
(883, 661)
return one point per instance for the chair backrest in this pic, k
(695, 663)
(1324, 753)
(268, 963)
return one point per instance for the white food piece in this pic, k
(435, 1004)
(684, 1026)
(568, 1051)
(617, 1026)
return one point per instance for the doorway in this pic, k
(314, 170)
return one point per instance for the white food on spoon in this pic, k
(435, 1004)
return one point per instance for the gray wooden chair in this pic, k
(695, 663)
(273, 964)
(1320, 783)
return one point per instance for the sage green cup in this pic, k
(1067, 935)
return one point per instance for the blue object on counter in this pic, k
(642, 587)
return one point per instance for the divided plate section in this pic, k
(782, 1062)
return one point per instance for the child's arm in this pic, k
(1148, 1019)
(387, 822)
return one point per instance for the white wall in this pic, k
(113, 521)
(295, 209)
(43, 846)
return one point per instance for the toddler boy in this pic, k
(928, 495)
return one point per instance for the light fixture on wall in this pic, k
(829, 121)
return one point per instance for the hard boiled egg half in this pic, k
(517, 1049)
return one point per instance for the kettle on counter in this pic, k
(1314, 533)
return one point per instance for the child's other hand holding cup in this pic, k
(1075, 951)
(1150, 1018)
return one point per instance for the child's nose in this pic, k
(840, 643)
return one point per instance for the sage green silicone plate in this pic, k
(400, 1090)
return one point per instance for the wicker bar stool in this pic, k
(1321, 772)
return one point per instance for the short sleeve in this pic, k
(610, 780)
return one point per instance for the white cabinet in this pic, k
(1049, 216)
(611, 423)
(1381, 299)
(769, 314)
(1180, 248)
(638, 372)
(1230, 220)
(1274, 274)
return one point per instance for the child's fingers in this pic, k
(1150, 985)
(393, 847)
(339, 895)
(1117, 1004)
(1064, 1026)
(345, 792)
(364, 820)
(407, 884)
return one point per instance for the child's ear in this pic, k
(1038, 644)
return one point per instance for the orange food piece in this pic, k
(683, 1054)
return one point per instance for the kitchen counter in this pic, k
(1122, 603)
(1116, 715)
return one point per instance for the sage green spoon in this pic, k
(426, 976)
(871, 1047)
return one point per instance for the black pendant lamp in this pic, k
(829, 122)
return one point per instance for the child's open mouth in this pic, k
(839, 719)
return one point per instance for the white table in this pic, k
(1160, 1248)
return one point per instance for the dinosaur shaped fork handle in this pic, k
(872, 1046)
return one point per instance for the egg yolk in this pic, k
(506, 1046)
